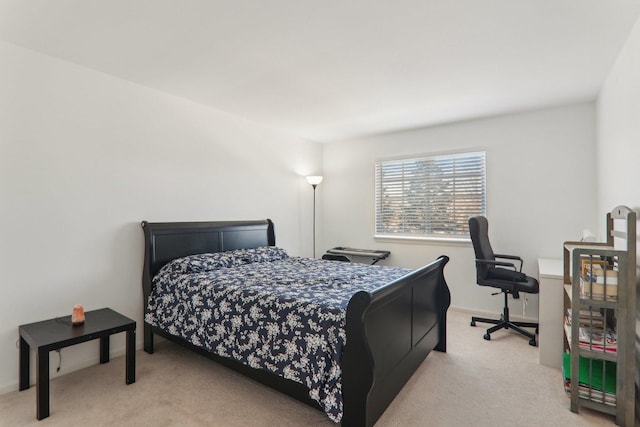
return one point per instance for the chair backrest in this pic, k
(479, 231)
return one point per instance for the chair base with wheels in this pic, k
(506, 323)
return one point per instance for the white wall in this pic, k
(85, 157)
(618, 116)
(538, 193)
(618, 147)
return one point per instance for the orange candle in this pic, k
(77, 318)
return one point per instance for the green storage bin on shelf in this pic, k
(591, 379)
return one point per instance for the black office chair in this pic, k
(502, 275)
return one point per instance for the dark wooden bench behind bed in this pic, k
(389, 331)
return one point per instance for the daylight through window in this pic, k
(430, 196)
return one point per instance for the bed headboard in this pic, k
(165, 241)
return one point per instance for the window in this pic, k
(430, 197)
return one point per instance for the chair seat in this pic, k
(531, 286)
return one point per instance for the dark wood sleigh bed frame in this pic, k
(389, 331)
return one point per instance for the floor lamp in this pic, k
(314, 181)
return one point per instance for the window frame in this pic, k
(417, 237)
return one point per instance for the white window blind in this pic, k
(430, 196)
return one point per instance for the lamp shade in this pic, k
(314, 179)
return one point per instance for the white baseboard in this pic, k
(118, 352)
(8, 388)
(491, 314)
(68, 368)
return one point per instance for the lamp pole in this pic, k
(314, 219)
(314, 181)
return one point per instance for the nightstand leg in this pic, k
(24, 364)
(131, 356)
(104, 349)
(42, 384)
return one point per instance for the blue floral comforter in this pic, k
(267, 310)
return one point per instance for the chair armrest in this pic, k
(496, 263)
(508, 256)
(515, 257)
(504, 275)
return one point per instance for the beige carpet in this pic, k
(476, 383)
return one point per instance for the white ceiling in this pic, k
(329, 70)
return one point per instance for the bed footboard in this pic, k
(389, 333)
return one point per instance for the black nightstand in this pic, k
(58, 333)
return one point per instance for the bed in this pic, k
(388, 329)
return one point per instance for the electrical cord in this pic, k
(57, 351)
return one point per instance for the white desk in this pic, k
(551, 308)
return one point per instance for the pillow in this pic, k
(198, 263)
(504, 274)
(261, 254)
